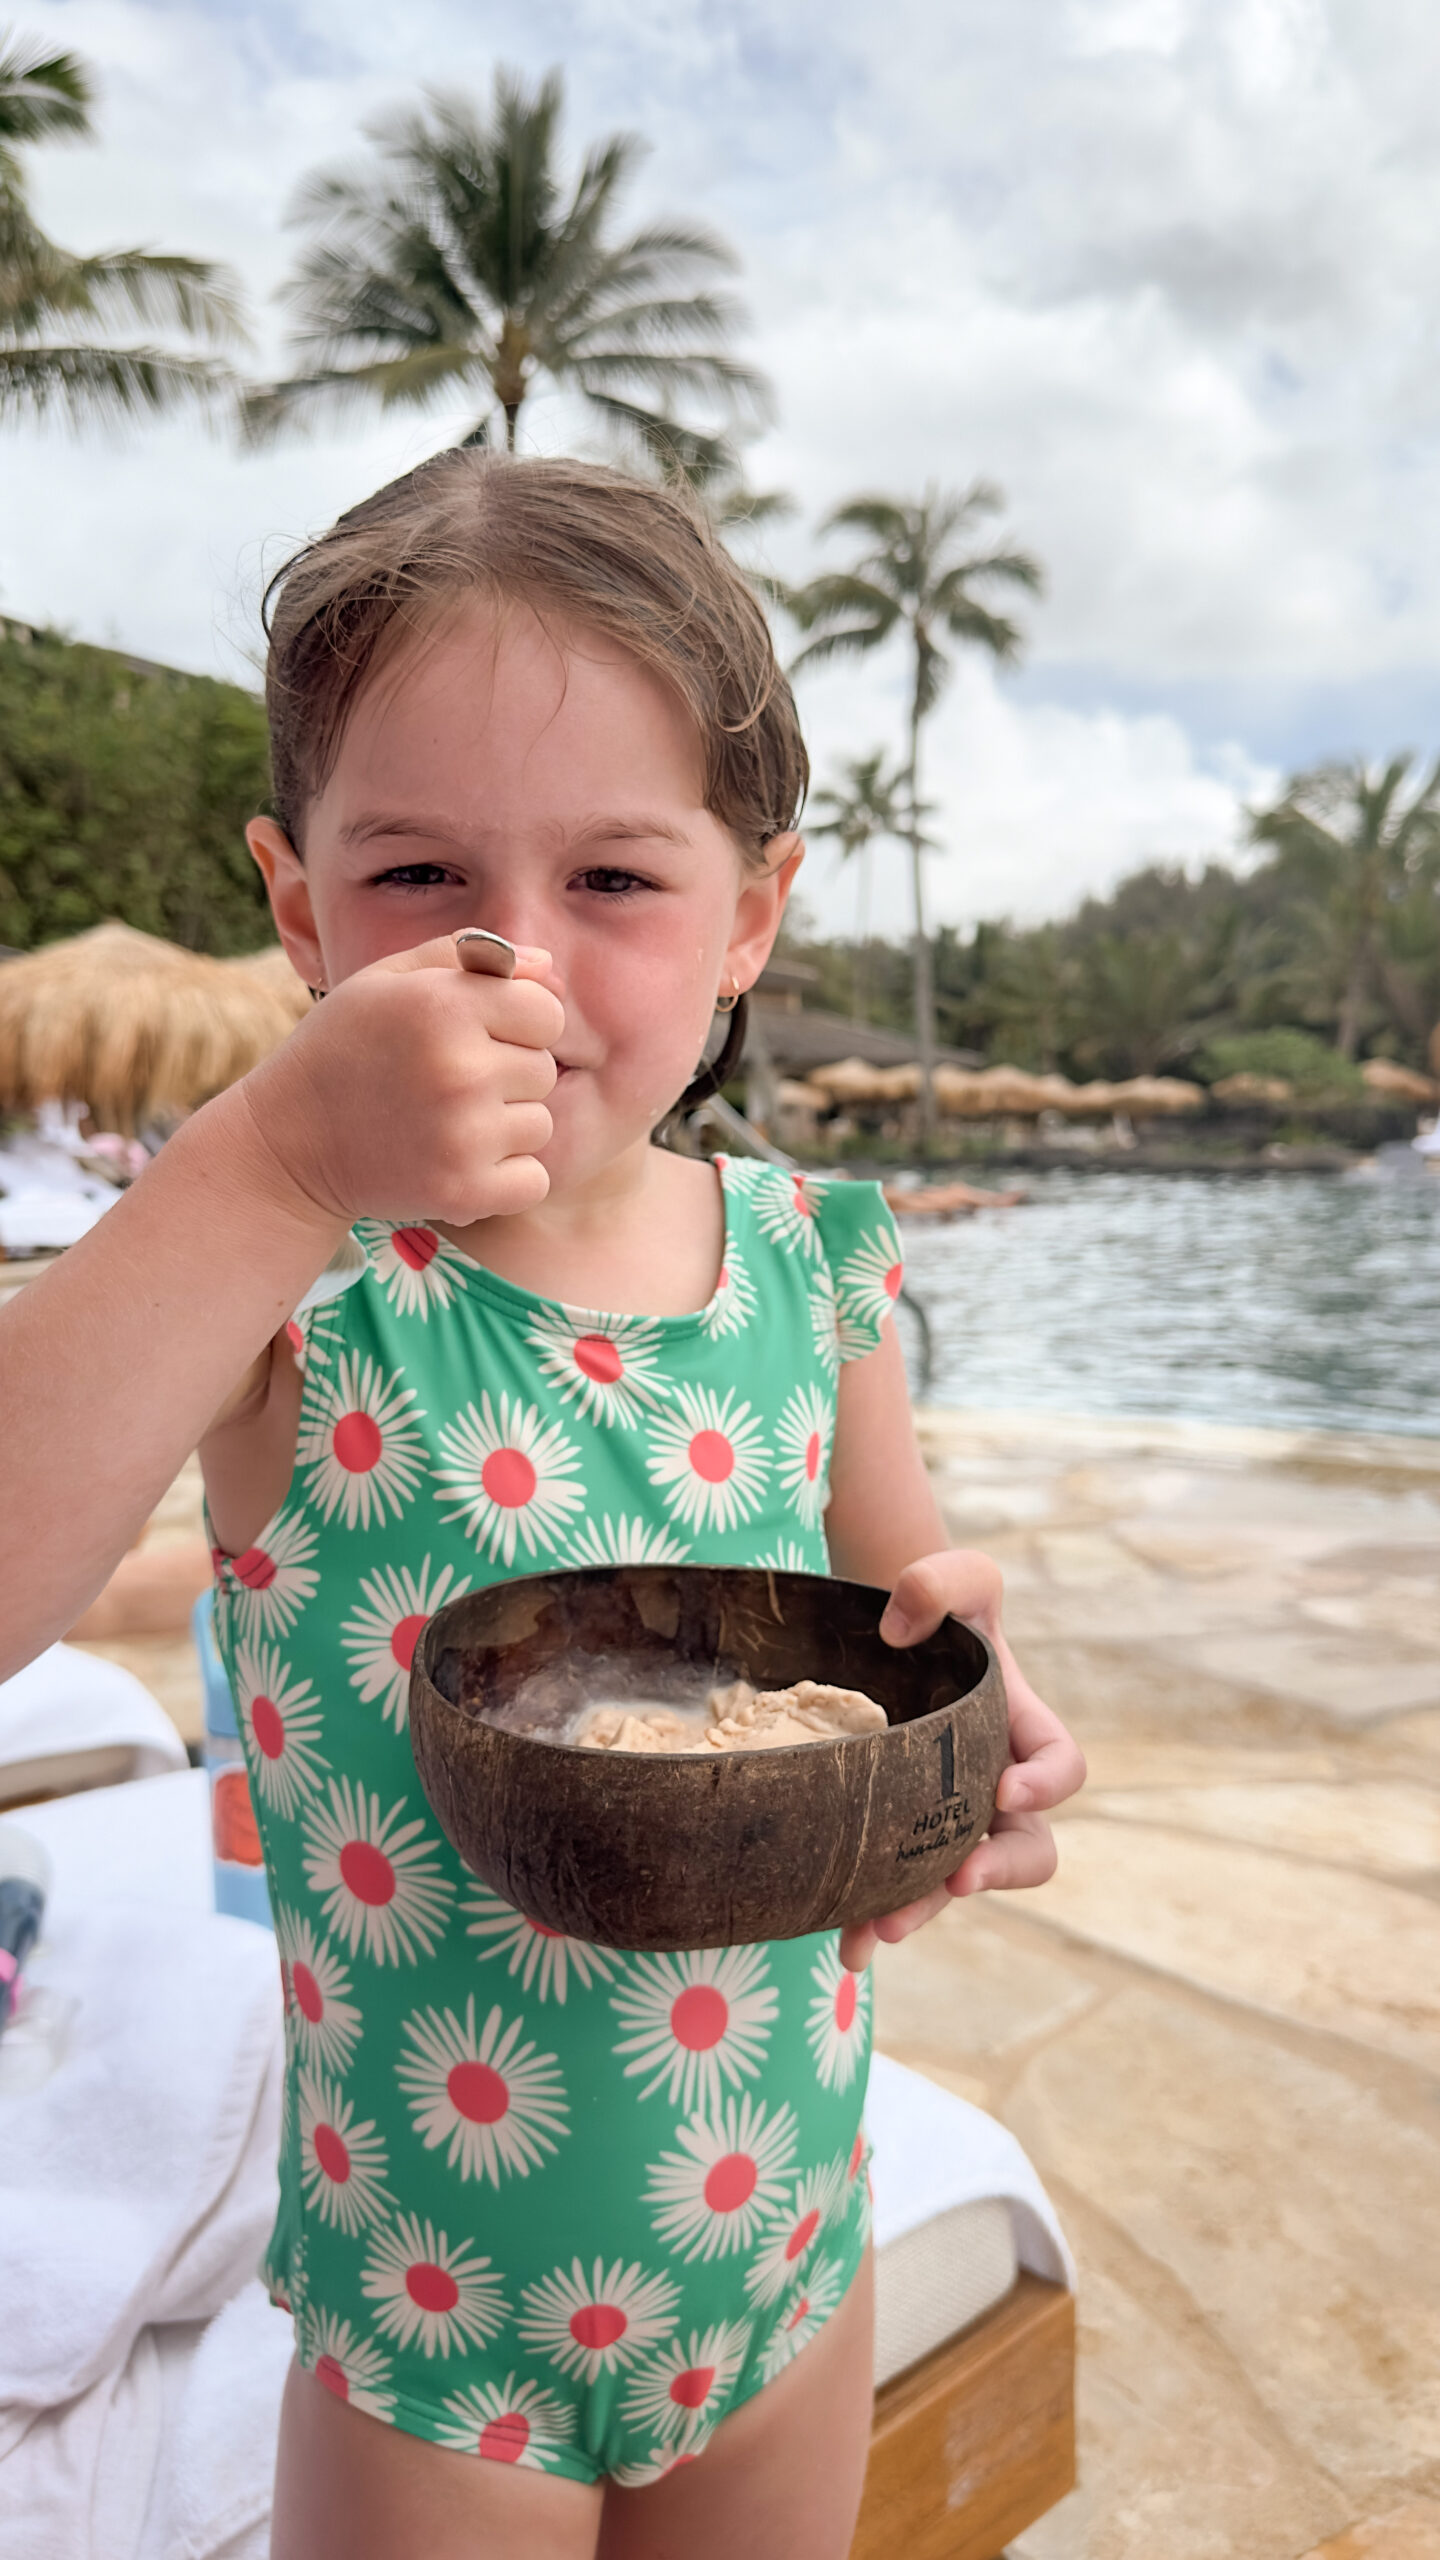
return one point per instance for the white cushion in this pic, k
(146, 1842)
(72, 1719)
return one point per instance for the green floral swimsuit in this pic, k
(541, 2201)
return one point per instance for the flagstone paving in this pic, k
(1217, 2031)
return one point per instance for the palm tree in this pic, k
(868, 802)
(916, 574)
(1361, 841)
(58, 311)
(461, 266)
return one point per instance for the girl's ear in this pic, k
(760, 907)
(289, 893)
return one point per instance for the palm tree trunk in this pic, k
(924, 988)
(860, 974)
(512, 412)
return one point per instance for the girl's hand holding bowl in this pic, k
(1048, 1765)
(418, 1089)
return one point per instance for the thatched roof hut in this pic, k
(130, 1025)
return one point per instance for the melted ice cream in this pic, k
(736, 1718)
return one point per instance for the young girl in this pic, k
(598, 2220)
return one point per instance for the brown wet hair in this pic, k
(639, 564)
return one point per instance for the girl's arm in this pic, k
(883, 1526)
(114, 1364)
(416, 1089)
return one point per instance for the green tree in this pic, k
(916, 573)
(59, 313)
(864, 807)
(124, 791)
(1361, 845)
(461, 266)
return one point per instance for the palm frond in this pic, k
(44, 97)
(105, 383)
(417, 380)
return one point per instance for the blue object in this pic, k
(240, 1886)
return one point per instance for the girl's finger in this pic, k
(962, 1583)
(900, 1924)
(1019, 1851)
(857, 1946)
(1038, 1779)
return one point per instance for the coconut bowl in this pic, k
(660, 1851)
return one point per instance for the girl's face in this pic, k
(545, 785)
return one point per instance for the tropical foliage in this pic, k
(916, 574)
(124, 791)
(1289, 968)
(459, 265)
(64, 341)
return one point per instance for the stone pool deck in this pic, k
(1218, 2030)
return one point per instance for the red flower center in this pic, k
(846, 1997)
(597, 1356)
(268, 1727)
(416, 1246)
(812, 1456)
(367, 1872)
(508, 1478)
(404, 1637)
(430, 2288)
(255, 1569)
(597, 2324)
(802, 2235)
(331, 2153)
(731, 2182)
(357, 1443)
(307, 1993)
(331, 2377)
(505, 2438)
(712, 1457)
(691, 2390)
(893, 1278)
(477, 2093)
(699, 2018)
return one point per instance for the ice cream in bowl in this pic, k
(667, 1756)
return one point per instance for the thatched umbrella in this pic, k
(1157, 1097)
(130, 1025)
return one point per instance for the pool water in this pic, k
(1294, 1301)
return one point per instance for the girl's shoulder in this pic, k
(842, 1230)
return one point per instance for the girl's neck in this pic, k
(644, 1237)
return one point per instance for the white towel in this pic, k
(69, 1701)
(933, 2151)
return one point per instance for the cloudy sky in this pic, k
(1168, 270)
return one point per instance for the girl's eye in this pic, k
(415, 875)
(604, 882)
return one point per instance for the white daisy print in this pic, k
(430, 2289)
(543, 1959)
(383, 1890)
(868, 1285)
(417, 1268)
(787, 1556)
(626, 1541)
(509, 2421)
(597, 2323)
(274, 1579)
(682, 2393)
(741, 1173)
(733, 1303)
(342, 2162)
(696, 2022)
(709, 1459)
(349, 2367)
(798, 2323)
(787, 1211)
(730, 2174)
(607, 1366)
(508, 1474)
(497, 2104)
(825, 1320)
(802, 1443)
(660, 2461)
(381, 1637)
(787, 2242)
(839, 2019)
(361, 1446)
(323, 2019)
(282, 1722)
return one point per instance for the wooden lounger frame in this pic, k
(977, 2440)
